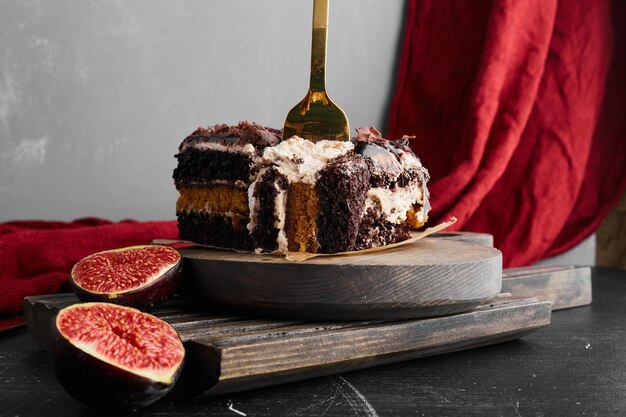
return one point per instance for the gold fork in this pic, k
(316, 117)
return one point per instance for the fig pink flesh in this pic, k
(124, 269)
(123, 336)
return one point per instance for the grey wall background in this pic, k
(95, 96)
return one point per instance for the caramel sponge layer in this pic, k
(213, 199)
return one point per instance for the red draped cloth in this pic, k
(519, 113)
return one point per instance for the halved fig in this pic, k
(114, 357)
(136, 276)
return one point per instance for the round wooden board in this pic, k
(430, 277)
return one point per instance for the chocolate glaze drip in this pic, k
(382, 157)
(236, 136)
(385, 158)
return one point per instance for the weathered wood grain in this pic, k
(426, 278)
(227, 354)
(229, 364)
(470, 237)
(564, 287)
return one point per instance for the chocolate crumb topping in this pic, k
(234, 136)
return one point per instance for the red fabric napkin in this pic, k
(518, 108)
(36, 257)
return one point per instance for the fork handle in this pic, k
(320, 13)
(318, 46)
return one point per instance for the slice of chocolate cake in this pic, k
(242, 187)
(213, 175)
(331, 196)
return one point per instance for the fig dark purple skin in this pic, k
(136, 276)
(102, 381)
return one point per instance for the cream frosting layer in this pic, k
(394, 204)
(247, 149)
(301, 160)
(253, 205)
(280, 207)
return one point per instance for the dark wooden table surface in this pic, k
(575, 366)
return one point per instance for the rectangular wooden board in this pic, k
(228, 354)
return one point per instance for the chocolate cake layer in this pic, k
(266, 192)
(342, 189)
(222, 152)
(374, 232)
(215, 230)
(200, 166)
